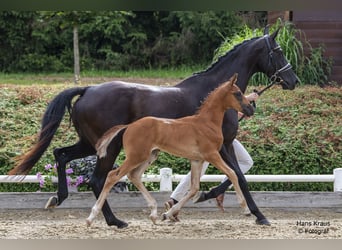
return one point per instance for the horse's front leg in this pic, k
(218, 162)
(196, 169)
(228, 155)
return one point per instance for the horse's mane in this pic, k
(227, 54)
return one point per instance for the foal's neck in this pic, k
(213, 109)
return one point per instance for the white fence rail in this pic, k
(166, 178)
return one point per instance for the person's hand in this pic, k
(252, 96)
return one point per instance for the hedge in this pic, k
(292, 132)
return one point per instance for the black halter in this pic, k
(275, 78)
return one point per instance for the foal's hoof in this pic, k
(173, 218)
(153, 219)
(246, 212)
(88, 222)
(264, 222)
(51, 203)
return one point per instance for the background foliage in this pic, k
(311, 69)
(292, 132)
(41, 41)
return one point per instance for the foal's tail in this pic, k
(49, 125)
(102, 144)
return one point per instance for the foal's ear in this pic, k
(233, 79)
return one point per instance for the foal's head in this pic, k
(235, 98)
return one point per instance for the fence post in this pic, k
(338, 180)
(165, 179)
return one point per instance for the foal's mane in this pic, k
(211, 97)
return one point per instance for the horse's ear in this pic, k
(267, 29)
(275, 33)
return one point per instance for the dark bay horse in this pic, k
(100, 107)
(197, 137)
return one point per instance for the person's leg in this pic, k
(245, 162)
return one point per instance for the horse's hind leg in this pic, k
(62, 157)
(135, 177)
(103, 166)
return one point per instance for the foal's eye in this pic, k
(238, 95)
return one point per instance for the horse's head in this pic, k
(274, 63)
(236, 99)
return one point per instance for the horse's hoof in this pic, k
(264, 222)
(118, 223)
(122, 224)
(51, 203)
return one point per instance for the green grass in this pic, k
(90, 77)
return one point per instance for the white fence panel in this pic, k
(166, 178)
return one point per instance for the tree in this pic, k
(73, 19)
(15, 37)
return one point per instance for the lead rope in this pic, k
(259, 92)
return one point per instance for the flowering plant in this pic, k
(46, 178)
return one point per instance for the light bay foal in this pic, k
(197, 138)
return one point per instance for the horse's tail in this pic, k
(49, 125)
(106, 138)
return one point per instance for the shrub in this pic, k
(36, 63)
(292, 132)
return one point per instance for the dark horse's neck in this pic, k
(242, 59)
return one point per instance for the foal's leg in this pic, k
(98, 178)
(218, 162)
(196, 169)
(112, 178)
(135, 178)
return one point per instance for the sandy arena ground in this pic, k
(194, 224)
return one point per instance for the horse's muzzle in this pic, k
(248, 110)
